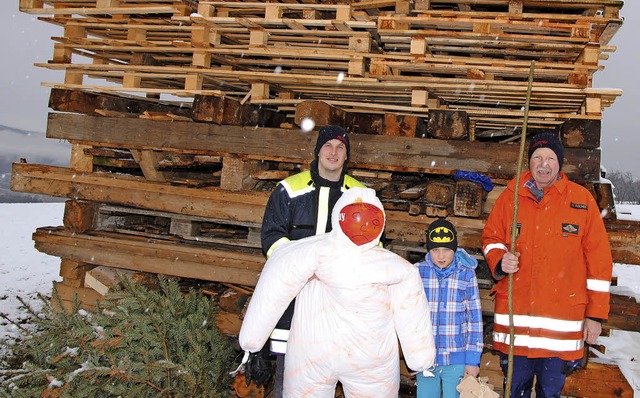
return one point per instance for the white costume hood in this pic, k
(353, 305)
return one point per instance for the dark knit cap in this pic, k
(547, 140)
(331, 132)
(441, 233)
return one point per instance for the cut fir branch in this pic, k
(138, 343)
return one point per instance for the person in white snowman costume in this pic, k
(354, 301)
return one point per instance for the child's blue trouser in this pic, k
(445, 380)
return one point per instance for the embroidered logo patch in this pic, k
(570, 229)
(579, 206)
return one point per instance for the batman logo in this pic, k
(441, 235)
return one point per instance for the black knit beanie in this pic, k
(441, 233)
(547, 140)
(331, 132)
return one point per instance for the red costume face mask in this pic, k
(361, 222)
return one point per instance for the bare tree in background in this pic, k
(626, 187)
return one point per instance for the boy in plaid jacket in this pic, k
(449, 278)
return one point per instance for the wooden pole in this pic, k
(514, 229)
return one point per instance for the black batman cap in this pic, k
(442, 233)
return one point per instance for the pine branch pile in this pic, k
(139, 343)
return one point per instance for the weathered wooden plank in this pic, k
(211, 264)
(236, 173)
(148, 161)
(624, 237)
(469, 199)
(87, 103)
(598, 380)
(86, 297)
(404, 125)
(225, 110)
(73, 270)
(367, 151)
(322, 113)
(624, 313)
(136, 192)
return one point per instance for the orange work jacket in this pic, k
(565, 268)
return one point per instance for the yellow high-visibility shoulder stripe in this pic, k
(298, 184)
(350, 182)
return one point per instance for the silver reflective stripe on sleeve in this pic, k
(598, 285)
(492, 246)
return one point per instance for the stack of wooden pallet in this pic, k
(183, 115)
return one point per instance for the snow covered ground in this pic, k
(24, 271)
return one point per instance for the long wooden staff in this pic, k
(514, 229)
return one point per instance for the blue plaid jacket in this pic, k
(456, 313)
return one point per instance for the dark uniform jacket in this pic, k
(300, 207)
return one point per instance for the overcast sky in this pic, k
(27, 41)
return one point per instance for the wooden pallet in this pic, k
(366, 57)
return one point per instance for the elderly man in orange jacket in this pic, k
(561, 271)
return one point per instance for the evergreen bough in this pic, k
(138, 343)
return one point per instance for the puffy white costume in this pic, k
(353, 305)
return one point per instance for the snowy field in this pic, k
(24, 271)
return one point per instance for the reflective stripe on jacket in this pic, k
(565, 268)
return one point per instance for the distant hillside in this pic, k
(33, 147)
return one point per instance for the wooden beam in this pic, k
(148, 161)
(598, 380)
(407, 154)
(241, 208)
(322, 114)
(78, 101)
(229, 111)
(581, 133)
(126, 252)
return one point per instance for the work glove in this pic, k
(258, 368)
